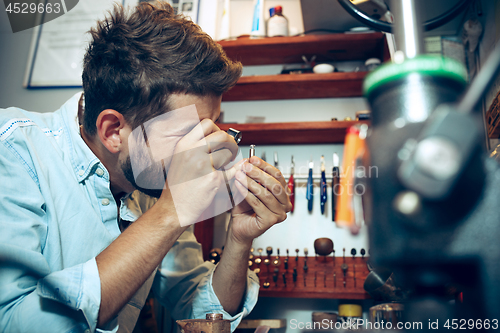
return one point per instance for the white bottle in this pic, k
(278, 24)
(258, 23)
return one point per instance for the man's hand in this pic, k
(193, 179)
(266, 203)
(267, 200)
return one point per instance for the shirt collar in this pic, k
(83, 160)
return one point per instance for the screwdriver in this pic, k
(309, 193)
(335, 183)
(291, 184)
(323, 186)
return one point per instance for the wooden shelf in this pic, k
(320, 269)
(314, 132)
(296, 86)
(285, 50)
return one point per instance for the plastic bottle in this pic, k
(277, 25)
(258, 23)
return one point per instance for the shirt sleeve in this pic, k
(32, 297)
(183, 284)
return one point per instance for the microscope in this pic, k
(433, 212)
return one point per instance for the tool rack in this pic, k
(318, 268)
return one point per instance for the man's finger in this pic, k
(269, 169)
(267, 181)
(267, 200)
(262, 211)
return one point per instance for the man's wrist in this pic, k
(237, 244)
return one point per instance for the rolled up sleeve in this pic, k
(183, 284)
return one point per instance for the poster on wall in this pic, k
(58, 46)
(189, 8)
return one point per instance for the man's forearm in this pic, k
(229, 280)
(126, 263)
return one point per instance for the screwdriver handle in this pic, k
(335, 189)
(291, 188)
(323, 192)
(309, 193)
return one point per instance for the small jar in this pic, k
(349, 315)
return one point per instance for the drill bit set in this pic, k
(322, 275)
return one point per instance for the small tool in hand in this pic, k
(291, 185)
(309, 191)
(252, 151)
(323, 195)
(335, 183)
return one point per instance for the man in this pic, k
(71, 261)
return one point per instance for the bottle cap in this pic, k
(278, 10)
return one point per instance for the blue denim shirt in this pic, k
(57, 214)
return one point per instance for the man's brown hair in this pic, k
(136, 60)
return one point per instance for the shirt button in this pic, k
(81, 172)
(105, 202)
(99, 172)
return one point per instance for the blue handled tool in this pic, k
(323, 185)
(335, 183)
(309, 193)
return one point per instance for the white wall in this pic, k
(14, 49)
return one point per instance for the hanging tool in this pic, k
(353, 253)
(291, 184)
(309, 193)
(276, 160)
(323, 186)
(284, 279)
(335, 183)
(344, 270)
(263, 156)
(363, 252)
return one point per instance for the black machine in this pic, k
(433, 212)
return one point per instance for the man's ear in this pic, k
(109, 124)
